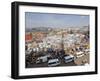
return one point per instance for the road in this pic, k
(76, 62)
(46, 65)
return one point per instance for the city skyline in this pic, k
(33, 20)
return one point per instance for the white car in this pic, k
(43, 59)
(69, 58)
(79, 54)
(53, 62)
(87, 51)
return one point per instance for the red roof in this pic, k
(28, 37)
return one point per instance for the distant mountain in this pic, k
(46, 29)
(38, 29)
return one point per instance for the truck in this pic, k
(42, 59)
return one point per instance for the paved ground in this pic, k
(76, 62)
(46, 65)
(79, 60)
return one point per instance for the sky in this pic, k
(33, 20)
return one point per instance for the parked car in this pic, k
(53, 62)
(79, 54)
(69, 58)
(86, 50)
(43, 59)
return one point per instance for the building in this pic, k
(28, 37)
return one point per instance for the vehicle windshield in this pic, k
(69, 59)
(53, 62)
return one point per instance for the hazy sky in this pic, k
(55, 20)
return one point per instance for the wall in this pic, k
(5, 39)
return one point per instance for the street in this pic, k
(46, 65)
